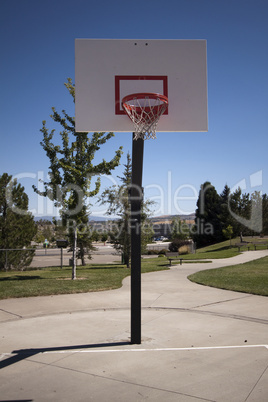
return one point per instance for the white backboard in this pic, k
(108, 69)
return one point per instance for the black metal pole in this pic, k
(136, 202)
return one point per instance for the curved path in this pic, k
(199, 343)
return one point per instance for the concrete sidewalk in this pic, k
(198, 343)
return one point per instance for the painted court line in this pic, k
(131, 350)
(163, 349)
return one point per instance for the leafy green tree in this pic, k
(16, 223)
(207, 228)
(147, 232)
(39, 237)
(228, 233)
(224, 212)
(240, 207)
(180, 233)
(104, 237)
(45, 230)
(179, 229)
(59, 229)
(72, 173)
(244, 212)
(95, 235)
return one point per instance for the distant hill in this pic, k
(50, 218)
(169, 218)
(44, 218)
(155, 219)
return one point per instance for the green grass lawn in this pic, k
(53, 281)
(251, 277)
(219, 250)
(224, 249)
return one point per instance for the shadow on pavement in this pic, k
(22, 354)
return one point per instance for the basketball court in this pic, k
(198, 343)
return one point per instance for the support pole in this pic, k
(74, 254)
(136, 197)
(6, 262)
(61, 257)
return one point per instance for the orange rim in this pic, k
(143, 95)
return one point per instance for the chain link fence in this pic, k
(20, 259)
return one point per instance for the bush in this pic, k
(163, 251)
(184, 250)
(176, 244)
(152, 252)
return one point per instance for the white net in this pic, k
(145, 112)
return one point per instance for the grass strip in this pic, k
(250, 277)
(55, 281)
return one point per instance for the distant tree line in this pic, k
(228, 215)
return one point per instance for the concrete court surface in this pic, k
(198, 343)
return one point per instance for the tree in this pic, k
(240, 209)
(117, 198)
(59, 229)
(265, 214)
(16, 223)
(244, 213)
(180, 233)
(147, 231)
(45, 230)
(224, 212)
(71, 173)
(179, 229)
(228, 233)
(207, 223)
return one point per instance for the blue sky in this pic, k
(37, 55)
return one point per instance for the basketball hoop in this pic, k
(145, 110)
